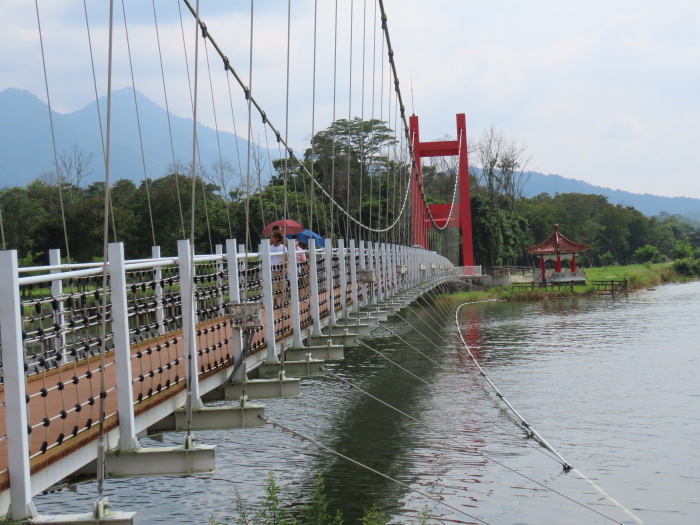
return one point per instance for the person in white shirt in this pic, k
(277, 249)
(278, 258)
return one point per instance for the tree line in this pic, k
(356, 162)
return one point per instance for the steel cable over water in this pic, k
(304, 437)
(469, 447)
(523, 423)
(442, 392)
(534, 432)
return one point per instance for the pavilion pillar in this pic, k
(543, 269)
(573, 262)
(557, 266)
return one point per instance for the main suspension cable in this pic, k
(278, 135)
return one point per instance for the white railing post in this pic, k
(353, 276)
(184, 255)
(381, 271)
(363, 266)
(414, 260)
(56, 292)
(342, 273)
(122, 347)
(393, 266)
(16, 423)
(313, 282)
(294, 289)
(386, 274)
(234, 293)
(268, 301)
(398, 250)
(330, 282)
(370, 266)
(158, 277)
(219, 250)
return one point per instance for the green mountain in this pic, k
(26, 150)
(646, 203)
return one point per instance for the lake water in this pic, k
(608, 382)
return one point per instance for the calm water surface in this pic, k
(611, 383)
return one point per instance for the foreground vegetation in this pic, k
(272, 510)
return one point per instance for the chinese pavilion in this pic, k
(554, 248)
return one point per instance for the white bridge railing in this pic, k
(165, 332)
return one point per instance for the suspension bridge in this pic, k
(97, 355)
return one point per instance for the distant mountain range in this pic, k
(646, 203)
(26, 149)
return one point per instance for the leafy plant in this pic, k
(374, 516)
(315, 512)
(272, 510)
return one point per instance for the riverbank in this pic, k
(639, 277)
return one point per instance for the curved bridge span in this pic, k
(174, 341)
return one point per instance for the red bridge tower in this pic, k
(440, 212)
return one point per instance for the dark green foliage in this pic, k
(647, 254)
(615, 233)
(355, 152)
(689, 267)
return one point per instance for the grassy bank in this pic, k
(639, 277)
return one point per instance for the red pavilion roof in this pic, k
(557, 243)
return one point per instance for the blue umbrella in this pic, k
(308, 234)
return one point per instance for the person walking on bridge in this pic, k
(278, 259)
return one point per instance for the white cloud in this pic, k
(602, 91)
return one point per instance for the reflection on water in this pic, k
(609, 382)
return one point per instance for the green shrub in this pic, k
(272, 510)
(688, 267)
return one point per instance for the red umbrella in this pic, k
(287, 226)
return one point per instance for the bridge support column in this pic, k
(21, 506)
(108, 517)
(257, 389)
(122, 347)
(161, 461)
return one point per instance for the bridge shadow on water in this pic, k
(374, 434)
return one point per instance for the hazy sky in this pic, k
(602, 91)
